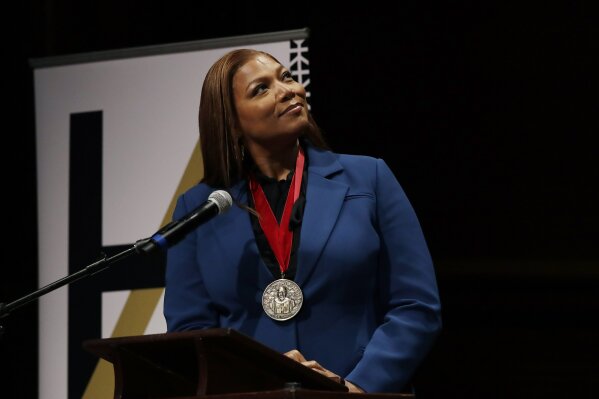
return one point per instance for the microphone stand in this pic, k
(219, 201)
(141, 246)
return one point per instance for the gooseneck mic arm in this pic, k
(218, 202)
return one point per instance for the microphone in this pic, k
(218, 202)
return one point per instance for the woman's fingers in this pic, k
(312, 364)
(295, 355)
(353, 388)
(318, 368)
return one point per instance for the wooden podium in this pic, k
(214, 363)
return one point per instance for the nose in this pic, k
(287, 92)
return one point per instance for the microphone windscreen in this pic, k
(222, 199)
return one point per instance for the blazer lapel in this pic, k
(324, 199)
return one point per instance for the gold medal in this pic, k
(282, 299)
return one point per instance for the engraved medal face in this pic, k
(282, 299)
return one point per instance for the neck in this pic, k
(275, 162)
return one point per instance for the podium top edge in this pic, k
(211, 332)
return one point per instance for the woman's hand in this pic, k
(298, 357)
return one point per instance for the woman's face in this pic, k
(269, 103)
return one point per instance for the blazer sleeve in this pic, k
(409, 299)
(187, 305)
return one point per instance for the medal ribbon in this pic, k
(279, 236)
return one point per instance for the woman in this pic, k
(331, 235)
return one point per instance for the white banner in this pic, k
(117, 141)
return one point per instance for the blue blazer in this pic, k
(371, 307)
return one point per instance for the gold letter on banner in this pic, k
(141, 303)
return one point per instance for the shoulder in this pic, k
(361, 173)
(330, 162)
(357, 161)
(194, 196)
(362, 166)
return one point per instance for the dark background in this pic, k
(487, 113)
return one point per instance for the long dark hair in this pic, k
(221, 148)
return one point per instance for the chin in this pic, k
(300, 126)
